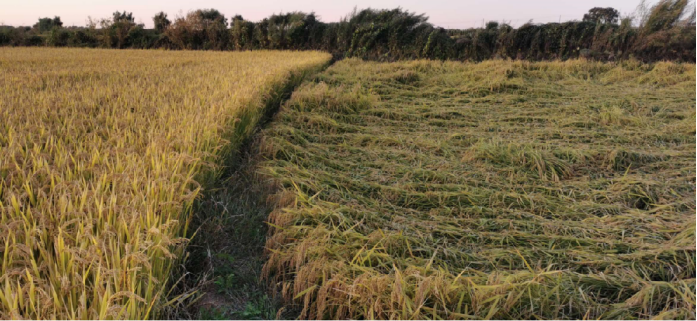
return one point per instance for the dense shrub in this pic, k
(58, 37)
(5, 36)
(82, 38)
(241, 34)
(31, 40)
(201, 29)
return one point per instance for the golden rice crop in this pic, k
(101, 155)
(497, 190)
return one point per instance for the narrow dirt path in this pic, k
(227, 253)
(221, 272)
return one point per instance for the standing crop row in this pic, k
(101, 155)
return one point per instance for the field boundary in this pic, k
(198, 273)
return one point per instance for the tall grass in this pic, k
(498, 190)
(101, 155)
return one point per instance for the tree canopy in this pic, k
(123, 17)
(46, 24)
(161, 22)
(602, 15)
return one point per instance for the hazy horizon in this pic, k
(442, 13)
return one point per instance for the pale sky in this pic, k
(443, 13)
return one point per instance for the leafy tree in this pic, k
(47, 24)
(137, 37)
(123, 17)
(200, 29)
(602, 15)
(492, 25)
(214, 26)
(161, 22)
(241, 33)
(261, 33)
(117, 29)
(291, 30)
(212, 16)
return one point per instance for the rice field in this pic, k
(102, 154)
(498, 190)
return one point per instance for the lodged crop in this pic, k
(498, 190)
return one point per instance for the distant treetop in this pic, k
(123, 16)
(161, 22)
(602, 15)
(46, 24)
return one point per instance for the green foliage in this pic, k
(200, 29)
(602, 15)
(241, 33)
(123, 17)
(20, 36)
(259, 309)
(47, 24)
(225, 283)
(393, 34)
(82, 38)
(121, 31)
(161, 22)
(31, 41)
(287, 31)
(58, 37)
(665, 15)
(211, 15)
(138, 37)
(4, 36)
(665, 32)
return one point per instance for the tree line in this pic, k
(664, 31)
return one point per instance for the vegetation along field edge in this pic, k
(663, 31)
